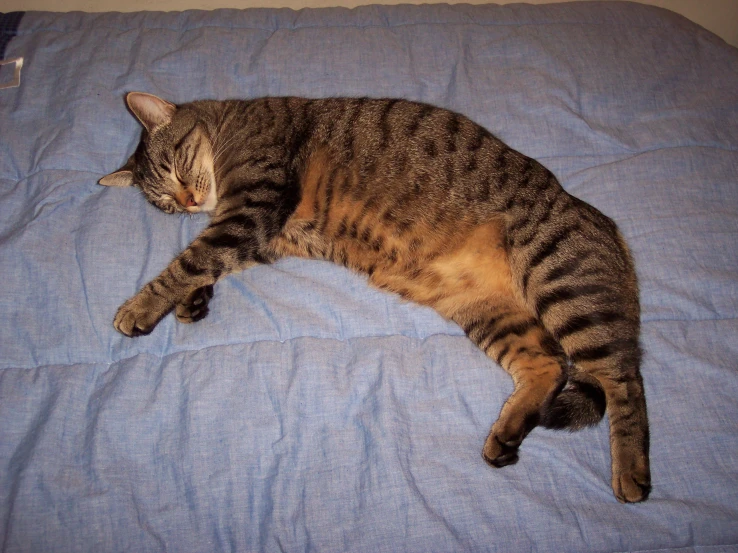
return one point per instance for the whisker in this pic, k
(221, 149)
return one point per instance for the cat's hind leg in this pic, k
(517, 342)
(473, 286)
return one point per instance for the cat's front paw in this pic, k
(139, 315)
(195, 307)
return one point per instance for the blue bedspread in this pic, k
(309, 412)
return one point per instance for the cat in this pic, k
(428, 205)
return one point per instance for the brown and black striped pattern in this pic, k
(430, 206)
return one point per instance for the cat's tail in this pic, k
(580, 403)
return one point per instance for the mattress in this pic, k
(308, 411)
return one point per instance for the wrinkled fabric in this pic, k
(309, 412)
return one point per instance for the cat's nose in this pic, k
(186, 199)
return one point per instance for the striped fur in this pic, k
(430, 206)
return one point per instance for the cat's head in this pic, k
(173, 163)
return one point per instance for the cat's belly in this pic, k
(474, 269)
(449, 275)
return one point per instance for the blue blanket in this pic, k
(310, 412)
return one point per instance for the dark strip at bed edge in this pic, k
(9, 23)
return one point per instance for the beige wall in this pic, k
(719, 16)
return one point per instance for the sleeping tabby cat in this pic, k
(430, 206)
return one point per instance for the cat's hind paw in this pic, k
(195, 307)
(500, 454)
(634, 485)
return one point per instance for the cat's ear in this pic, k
(150, 110)
(121, 177)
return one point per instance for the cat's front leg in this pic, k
(232, 242)
(139, 315)
(180, 285)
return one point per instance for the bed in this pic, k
(309, 412)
